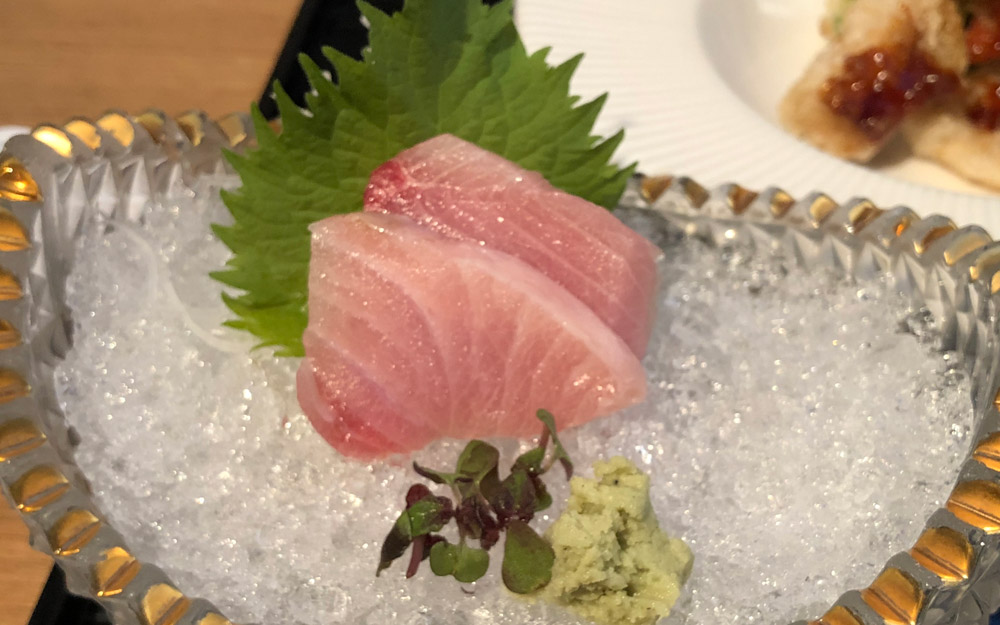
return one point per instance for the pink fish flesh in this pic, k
(463, 191)
(414, 336)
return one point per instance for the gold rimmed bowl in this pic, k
(55, 178)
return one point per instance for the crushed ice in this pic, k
(797, 434)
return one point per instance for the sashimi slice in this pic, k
(413, 336)
(462, 191)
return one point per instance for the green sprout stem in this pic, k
(512, 502)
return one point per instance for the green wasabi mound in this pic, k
(614, 565)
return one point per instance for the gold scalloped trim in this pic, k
(55, 138)
(116, 570)
(85, 131)
(987, 452)
(9, 336)
(944, 552)
(10, 286)
(977, 503)
(234, 128)
(16, 184)
(119, 127)
(42, 485)
(192, 123)
(12, 386)
(73, 532)
(38, 487)
(19, 437)
(895, 596)
(837, 615)
(13, 237)
(163, 605)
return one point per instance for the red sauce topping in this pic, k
(878, 86)
(983, 104)
(982, 34)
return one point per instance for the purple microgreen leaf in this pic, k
(428, 515)
(516, 498)
(486, 506)
(467, 518)
(559, 453)
(476, 521)
(416, 493)
(432, 539)
(421, 517)
(527, 559)
(395, 543)
(490, 537)
(438, 477)
(416, 555)
(542, 497)
(490, 526)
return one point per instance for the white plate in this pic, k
(696, 83)
(6, 132)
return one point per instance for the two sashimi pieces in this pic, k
(462, 191)
(469, 294)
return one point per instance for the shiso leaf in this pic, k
(527, 559)
(438, 66)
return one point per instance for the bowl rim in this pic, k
(54, 178)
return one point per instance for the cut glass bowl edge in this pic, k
(55, 178)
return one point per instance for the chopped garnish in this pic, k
(436, 67)
(484, 507)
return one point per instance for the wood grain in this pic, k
(23, 571)
(62, 58)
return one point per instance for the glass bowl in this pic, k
(55, 178)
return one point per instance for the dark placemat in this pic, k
(56, 606)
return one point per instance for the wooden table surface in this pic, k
(63, 58)
(23, 571)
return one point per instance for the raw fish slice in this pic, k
(372, 341)
(463, 191)
(414, 336)
(330, 404)
(346, 399)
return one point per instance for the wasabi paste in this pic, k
(614, 565)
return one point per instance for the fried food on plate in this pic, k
(885, 61)
(962, 135)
